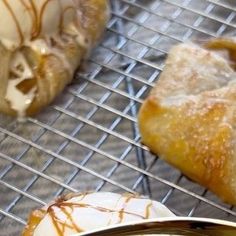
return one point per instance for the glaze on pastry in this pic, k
(189, 118)
(83, 212)
(42, 42)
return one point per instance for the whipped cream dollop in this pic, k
(97, 210)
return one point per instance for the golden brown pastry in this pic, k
(189, 118)
(42, 42)
(76, 213)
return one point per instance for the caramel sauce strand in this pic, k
(110, 220)
(72, 205)
(35, 21)
(148, 208)
(122, 211)
(58, 224)
(61, 226)
(31, 8)
(75, 226)
(55, 220)
(102, 209)
(40, 18)
(25, 4)
(15, 20)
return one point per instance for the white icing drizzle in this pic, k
(22, 71)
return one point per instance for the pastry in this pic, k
(76, 213)
(189, 118)
(41, 45)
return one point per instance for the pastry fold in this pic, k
(189, 118)
(35, 72)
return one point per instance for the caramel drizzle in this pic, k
(25, 4)
(122, 212)
(37, 17)
(31, 8)
(110, 220)
(60, 226)
(148, 208)
(55, 221)
(71, 220)
(35, 20)
(40, 24)
(15, 20)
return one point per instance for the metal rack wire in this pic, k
(88, 139)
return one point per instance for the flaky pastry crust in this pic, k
(189, 117)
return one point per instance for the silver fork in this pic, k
(169, 226)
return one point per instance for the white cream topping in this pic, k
(12, 15)
(33, 23)
(22, 71)
(97, 210)
(27, 20)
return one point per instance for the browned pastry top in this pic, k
(189, 118)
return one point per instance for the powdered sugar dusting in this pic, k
(190, 117)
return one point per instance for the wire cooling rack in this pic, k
(88, 139)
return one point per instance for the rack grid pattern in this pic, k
(88, 139)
